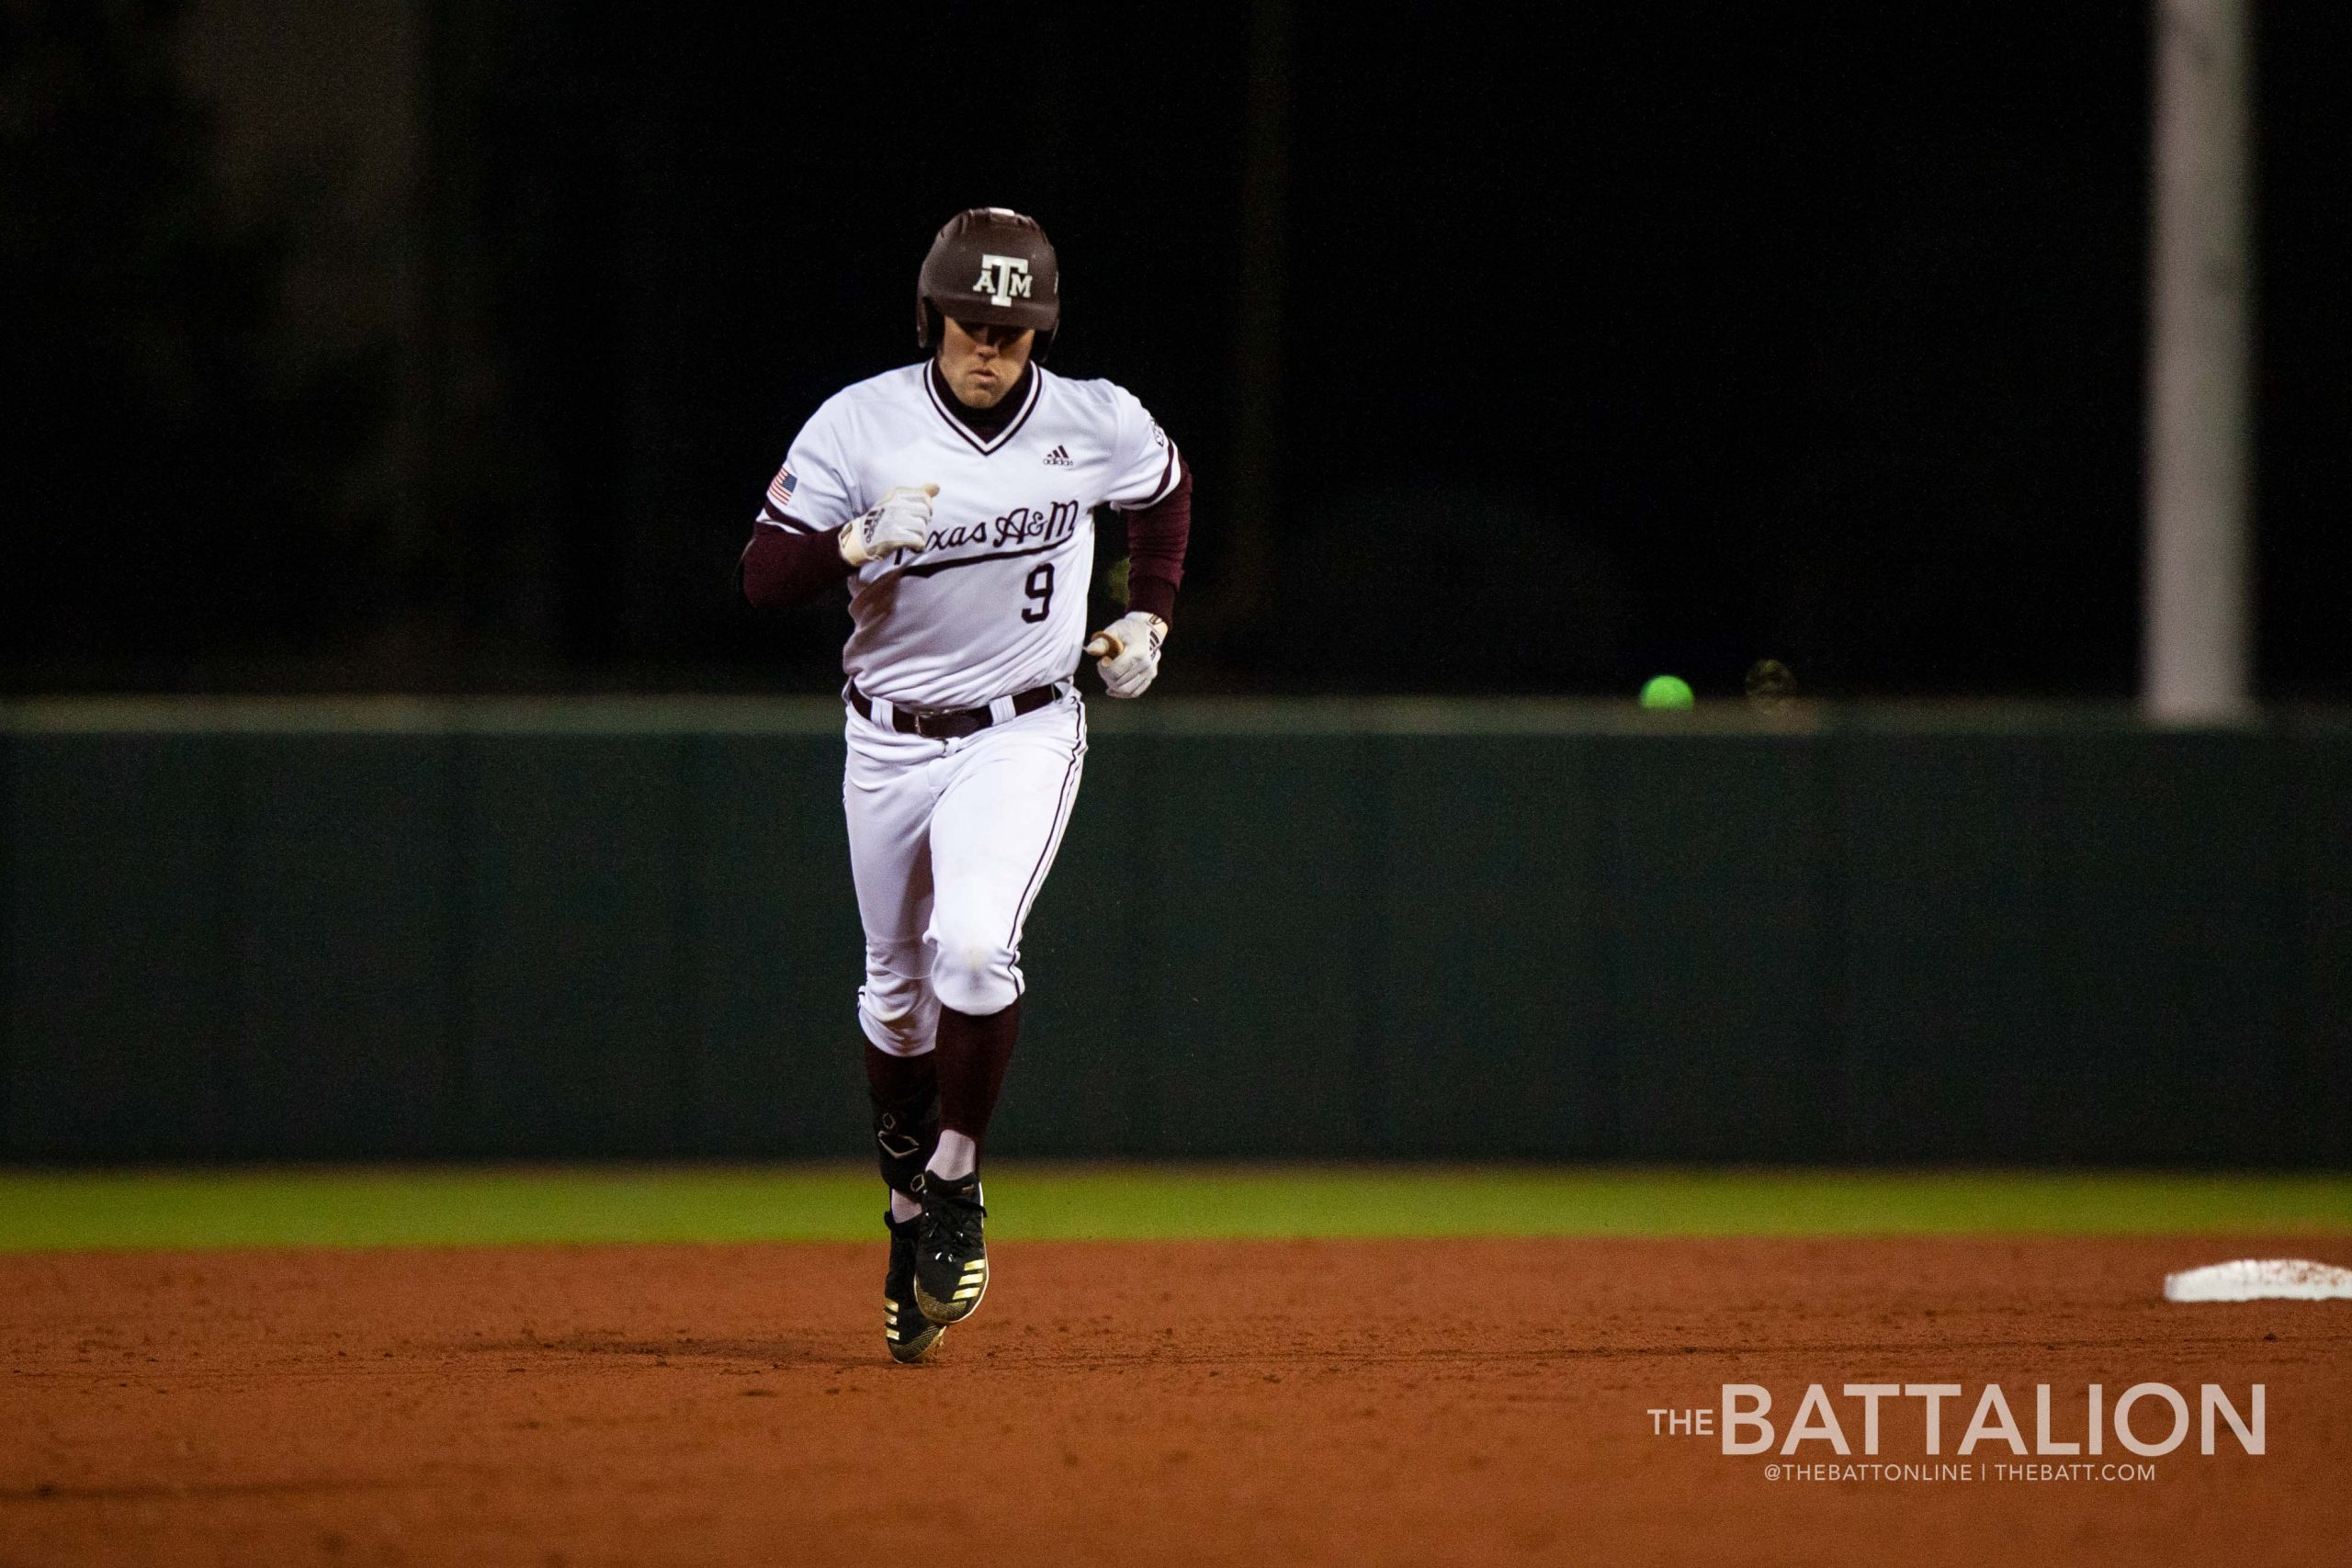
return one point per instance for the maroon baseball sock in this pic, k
(895, 1080)
(972, 1054)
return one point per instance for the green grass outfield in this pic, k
(481, 1205)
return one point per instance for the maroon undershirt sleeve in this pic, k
(1155, 538)
(783, 567)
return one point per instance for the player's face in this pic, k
(981, 362)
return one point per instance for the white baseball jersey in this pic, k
(997, 602)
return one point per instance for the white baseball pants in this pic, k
(949, 843)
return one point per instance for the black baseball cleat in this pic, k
(909, 1333)
(951, 1261)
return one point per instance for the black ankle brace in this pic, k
(905, 1132)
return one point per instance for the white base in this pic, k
(2261, 1279)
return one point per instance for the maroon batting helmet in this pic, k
(993, 265)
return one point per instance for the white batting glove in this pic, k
(901, 521)
(1127, 652)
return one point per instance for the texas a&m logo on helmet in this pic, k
(1003, 279)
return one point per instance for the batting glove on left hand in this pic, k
(901, 521)
(1129, 652)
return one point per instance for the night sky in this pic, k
(1602, 340)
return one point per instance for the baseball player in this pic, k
(956, 499)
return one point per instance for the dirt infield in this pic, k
(1196, 1403)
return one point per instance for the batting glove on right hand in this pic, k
(901, 521)
(1127, 652)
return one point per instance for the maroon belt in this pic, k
(948, 724)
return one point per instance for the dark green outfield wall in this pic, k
(268, 929)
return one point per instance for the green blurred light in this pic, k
(506, 1205)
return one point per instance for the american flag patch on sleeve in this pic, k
(780, 488)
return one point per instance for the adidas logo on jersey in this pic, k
(1058, 457)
